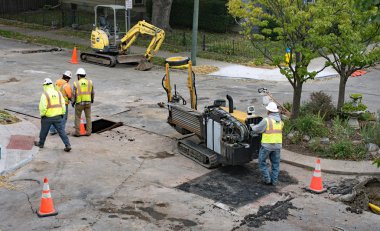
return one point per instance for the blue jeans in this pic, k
(274, 157)
(56, 122)
(53, 130)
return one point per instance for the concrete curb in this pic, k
(341, 167)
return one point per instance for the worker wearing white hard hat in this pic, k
(62, 85)
(83, 97)
(52, 109)
(271, 143)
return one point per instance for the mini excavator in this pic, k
(111, 46)
(217, 136)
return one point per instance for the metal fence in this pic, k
(17, 6)
(232, 45)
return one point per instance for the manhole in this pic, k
(102, 125)
(21, 142)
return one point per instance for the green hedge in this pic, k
(213, 14)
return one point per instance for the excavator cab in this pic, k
(105, 36)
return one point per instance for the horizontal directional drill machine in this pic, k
(216, 136)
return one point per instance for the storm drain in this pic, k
(102, 125)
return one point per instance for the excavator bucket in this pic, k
(144, 65)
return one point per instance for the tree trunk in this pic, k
(161, 14)
(342, 92)
(297, 91)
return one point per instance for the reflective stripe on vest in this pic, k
(83, 93)
(273, 132)
(49, 104)
(54, 105)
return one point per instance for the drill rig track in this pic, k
(198, 153)
(100, 59)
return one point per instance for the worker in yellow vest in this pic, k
(82, 98)
(62, 85)
(52, 109)
(271, 143)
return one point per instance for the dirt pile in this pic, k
(6, 118)
(362, 193)
(276, 212)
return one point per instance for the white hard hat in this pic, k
(68, 74)
(47, 81)
(81, 71)
(272, 107)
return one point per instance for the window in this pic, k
(138, 2)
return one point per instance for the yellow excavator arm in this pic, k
(143, 27)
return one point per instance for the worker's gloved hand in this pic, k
(73, 104)
(92, 100)
(253, 134)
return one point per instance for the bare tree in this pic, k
(161, 13)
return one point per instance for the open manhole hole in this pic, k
(102, 125)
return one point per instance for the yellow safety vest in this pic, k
(83, 90)
(54, 104)
(273, 132)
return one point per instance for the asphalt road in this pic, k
(132, 178)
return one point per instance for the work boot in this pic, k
(67, 148)
(88, 134)
(53, 133)
(36, 143)
(76, 135)
(265, 182)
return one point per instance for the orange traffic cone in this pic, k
(46, 206)
(82, 129)
(74, 59)
(316, 184)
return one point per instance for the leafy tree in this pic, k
(293, 20)
(346, 37)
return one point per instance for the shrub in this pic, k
(344, 149)
(288, 106)
(367, 116)
(341, 129)
(312, 125)
(321, 103)
(288, 126)
(371, 133)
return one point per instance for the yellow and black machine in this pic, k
(111, 45)
(219, 135)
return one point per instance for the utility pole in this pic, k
(195, 33)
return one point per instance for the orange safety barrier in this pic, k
(74, 58)
(316, 184)
(46, 206)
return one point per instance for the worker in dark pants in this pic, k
(52, 109)
(271, 143)
(83, 97)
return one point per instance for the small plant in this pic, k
(288, 127)
(344, 149)
(312, 125)
(367, 116)
(371, 133)
(288, 106)
(350, 107)
(341, 129)
(321, 103)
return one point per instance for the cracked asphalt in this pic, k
(133, 178)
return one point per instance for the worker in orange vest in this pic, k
(62, 85)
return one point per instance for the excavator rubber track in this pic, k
(198, 153)
(100, 59)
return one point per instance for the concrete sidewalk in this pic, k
(12, 159)
(17, 148)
